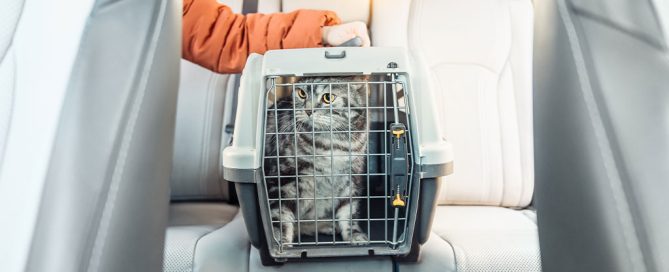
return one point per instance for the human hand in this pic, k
(337, 34)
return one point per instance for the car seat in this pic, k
(602, 125)
(87, 102)
(477, 56)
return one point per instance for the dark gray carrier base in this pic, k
(248, 203)
(247, 193)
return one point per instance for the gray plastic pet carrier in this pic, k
(336, 152)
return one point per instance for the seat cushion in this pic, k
(481, 239)
(212, 237)
(371, 264)
(192, 225)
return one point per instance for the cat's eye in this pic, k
(328, 98)
(301, 93)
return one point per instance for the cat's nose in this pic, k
(308, 112)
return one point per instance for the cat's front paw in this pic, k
(284, 239)
(359, 239)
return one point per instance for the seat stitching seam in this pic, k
(516, 111)
(622, 207)
(515, 107)
(218, 180)
(198, 241)
(100, 242)
(637, 35)
(450, 244)
(3, 146)
(506, 67)
(16, 26)
(526, 216)
(205, 130)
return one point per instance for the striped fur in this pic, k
(324, 145)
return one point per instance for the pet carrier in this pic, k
(336, 152)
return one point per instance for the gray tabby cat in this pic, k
(318, 110)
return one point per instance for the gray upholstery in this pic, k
(198, 236)
(96, 182)
(192, 226)
(204, 109)
(327, 265)
(198, 135)
(634, 18)
(9, 18)
(602, 146)
(212, 237)
(196, 213)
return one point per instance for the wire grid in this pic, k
(375, 214)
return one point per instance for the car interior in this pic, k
(111, 146)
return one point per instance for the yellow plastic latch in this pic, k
(398, 202)
(398, 132)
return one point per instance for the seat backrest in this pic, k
(602, 134)
(88, 133)
(205, 107)
(198, 135)
(479, 56)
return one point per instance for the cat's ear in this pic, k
(360, 83)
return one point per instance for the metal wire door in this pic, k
(385, 114)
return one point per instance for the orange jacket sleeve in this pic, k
(220, 40)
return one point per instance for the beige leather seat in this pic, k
(478, 56)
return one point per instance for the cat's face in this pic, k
(326, 102)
